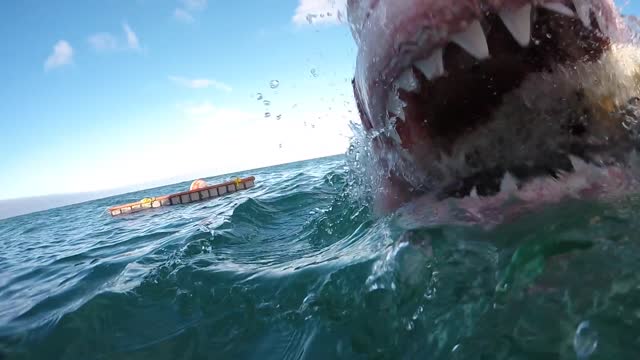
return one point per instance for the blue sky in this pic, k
(106, 94)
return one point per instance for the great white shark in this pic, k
(470, 104)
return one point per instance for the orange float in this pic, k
(199, 191)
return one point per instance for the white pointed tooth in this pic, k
(474, 193)
(519, 23)
(408, 81)
(602, 22)
(560, 8)
(395, 106)
(473, 41)
(583, 9)
(433, 67)
(508, 183)
(578, 164)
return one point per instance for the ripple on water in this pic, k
(297, 268)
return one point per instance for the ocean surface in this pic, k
(299, 268)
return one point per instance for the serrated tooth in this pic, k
(433, 67)
(473, 41)
(560, 8)
(395, 106)
(583, 10)
(578, 164)
(519, 23)
(474, 193)
(408, 81)
(508, 183)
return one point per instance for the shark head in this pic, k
(470, 98)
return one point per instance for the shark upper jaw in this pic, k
(430, 73)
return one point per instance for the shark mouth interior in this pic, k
(438, 101)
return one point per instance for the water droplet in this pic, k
(267, 114)
(310, 18)
(274, 84)
(585, 341)
(314, 72)
(259, 96)
(266, 103)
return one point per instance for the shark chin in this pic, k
(478, 111)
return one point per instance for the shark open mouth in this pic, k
(453, 115)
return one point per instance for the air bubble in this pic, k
(266, 103)
(585, 340)
(278, 117)
(259, 96)
(314, 72)
(267, 114)
(274, 84)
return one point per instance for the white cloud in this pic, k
(200, 83)
(103, 42)
(185, 13)
(183, 16)
(132, 38)
(319, 11)
(62, 55)
(195, 5)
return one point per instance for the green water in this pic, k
(298, 268)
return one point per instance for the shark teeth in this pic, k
(560, 8)
(519, 23)
(578, 164)
(408, 81)
(473, 41)
(433, 67)
(583, 10)
(508, 184)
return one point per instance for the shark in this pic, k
(478, 110)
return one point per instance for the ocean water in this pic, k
(299, 268)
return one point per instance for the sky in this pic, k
(108, 94)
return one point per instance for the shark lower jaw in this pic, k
(433, 98)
